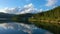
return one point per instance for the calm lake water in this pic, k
(21, 28)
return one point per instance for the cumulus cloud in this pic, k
(26, 9)
(12, 10)
(8, 10)
(3, 10)
(29, 5)
(17, 10)
(41, 10)
(51, 2)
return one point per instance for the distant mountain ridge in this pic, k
(5, 15)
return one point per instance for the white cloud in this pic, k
(51, 2)
(29, 5)
(7, 10)
(38, 10)
(41, 10)
(26, 9)
(3, 10)
(12, 10)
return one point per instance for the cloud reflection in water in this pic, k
(20, 28)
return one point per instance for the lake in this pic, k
(21, 28)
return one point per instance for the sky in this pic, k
(38, 4)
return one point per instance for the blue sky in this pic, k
(39, 4)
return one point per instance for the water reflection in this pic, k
(21, 28)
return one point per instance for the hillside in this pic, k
(6, 16)
(49, 20)
(53, 14)
(22, 17)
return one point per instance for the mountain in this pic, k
(5, 17)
